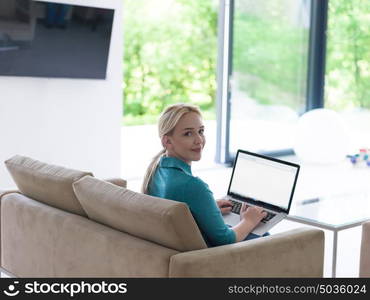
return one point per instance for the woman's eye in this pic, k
(201, 131)
(188, 133)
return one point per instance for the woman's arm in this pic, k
(249, 218)
(202, 204)
(209, 219)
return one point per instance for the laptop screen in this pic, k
(263, 179)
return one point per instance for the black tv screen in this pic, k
(47, 39)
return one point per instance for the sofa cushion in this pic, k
(165, 222)
(46, 183)
(41, 241)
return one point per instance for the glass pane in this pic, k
(269, 73)
(169, 57)
(347, 78)
(170, 54)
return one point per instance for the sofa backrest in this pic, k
(42, 241)
(165, 222)
(46, 183)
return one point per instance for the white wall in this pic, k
(69, 122)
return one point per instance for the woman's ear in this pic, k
(166, 142)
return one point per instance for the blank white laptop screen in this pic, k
(263, 180)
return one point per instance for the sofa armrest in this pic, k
(3, 193)
(295, 253)
(117, 181)
(365, 251)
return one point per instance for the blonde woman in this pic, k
(169, 176)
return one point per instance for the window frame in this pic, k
(315, 72)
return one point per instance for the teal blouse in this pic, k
(173, 180)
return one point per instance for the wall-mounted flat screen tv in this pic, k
(48, 39)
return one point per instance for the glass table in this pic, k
(334, 213)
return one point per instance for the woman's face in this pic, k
(187, 140)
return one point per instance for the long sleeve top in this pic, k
(173, 180)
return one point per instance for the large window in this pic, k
(347, 80)
(268, 60)
(170, 57)
(285, 57)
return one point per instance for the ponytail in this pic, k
(151, 170)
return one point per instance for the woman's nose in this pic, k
(198, 139)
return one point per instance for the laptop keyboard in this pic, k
(237, 207)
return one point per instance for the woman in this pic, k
(169, 176)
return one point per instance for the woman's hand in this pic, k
(252, 214)
(224, 206)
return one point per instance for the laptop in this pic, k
(263, 181)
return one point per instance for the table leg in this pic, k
(334, 262)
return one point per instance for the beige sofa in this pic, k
(365, 251)
(66, 223)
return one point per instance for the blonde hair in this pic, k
(166, 124)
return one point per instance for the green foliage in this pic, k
(348, 55)
(171, 47)
(270, 54)
(170, 55)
